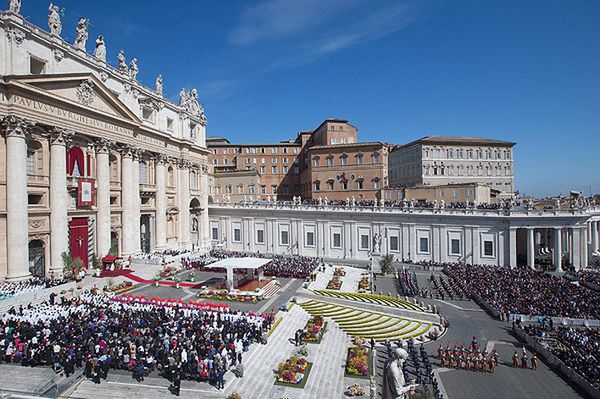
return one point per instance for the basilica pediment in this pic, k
(85, 90)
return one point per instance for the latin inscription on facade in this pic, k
(55, 111)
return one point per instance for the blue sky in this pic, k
(525, 71)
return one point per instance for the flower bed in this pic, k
(171, 302)
(314, 330)
(358, 361)
(334, 284)
(236, 296)
(363, 284)
(122, 287)
(339, 271)
(293, 372)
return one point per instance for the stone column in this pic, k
(137, 201)
(512, 242)
(530, 248)
(584, 248)
(59, 222)
(576, 247)
(204, 222)
(558, 249)
(103, 196)
(161, 203)
(17, 225)
(595, 244)
(129, 190)
(183, 196)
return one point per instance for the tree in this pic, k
(387, 264)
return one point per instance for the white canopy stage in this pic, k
(230, 264)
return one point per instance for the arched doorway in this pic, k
(37, 258)
(145, 234)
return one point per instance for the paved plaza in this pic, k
(327, 378)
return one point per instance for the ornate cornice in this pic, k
(13, 126)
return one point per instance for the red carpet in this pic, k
(138, 279)
(116, 273)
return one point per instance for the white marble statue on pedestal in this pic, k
(377, 243)
(54, 20)
(133, 69)
(100, 51)
(81, 33)
(14, 6)
(122, 63)
(159, 85)
(394, 385)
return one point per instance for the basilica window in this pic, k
(114, 169)
(143, 173)
(35, 159)
(170, 177)
(193, 180)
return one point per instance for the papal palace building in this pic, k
(91, 161)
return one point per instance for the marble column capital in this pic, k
(103, 145)
(60, 136)
(160, 159)
(130, 151)
(14, 126)
(184, 163)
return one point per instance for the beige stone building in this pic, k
(90, 159)
(443, 160)
(316, 164)
(236, 185)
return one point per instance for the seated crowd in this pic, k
(578, 348)
(9, 290)
(527, 292)
(94, 330)
(287, 266)
(408, 282)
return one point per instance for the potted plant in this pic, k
(156, 279)
(192, 276)
(176, 280)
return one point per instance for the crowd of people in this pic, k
(94, 331)
(286, 266)
(160, 256)
(577, 348)
(527, 292)
(10, 289)
(447, 288)
(469, 357)
(588, 276)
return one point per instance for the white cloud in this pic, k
(280, 19)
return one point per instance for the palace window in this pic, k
(359, 159)
(285, 238)
(376, 158)
(260, 236)
(424, 245)
(330, 160)
(393, 243)
(317, 185)
(215, 233)
(316, 161)
(488, 248)
(337, 240)
(237, 235)
(330, 185)
(310, 239)
(376, 184)
(274, 169)
(364, 241)
(455, 246)
(344, 160)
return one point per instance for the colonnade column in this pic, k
(183, 195)
(576, 247)
(103, 242)
(512, 245)
(584, 248)
(59, 222)
(129, 190)
(558, 249)
(530, 248)
(17, 226)
(595, 244)
(161, 203)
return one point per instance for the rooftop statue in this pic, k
(81, 33)
(122, 63)
(100, 51)
(54, 20)
(14, 6)
(159, 85)
(133, 69)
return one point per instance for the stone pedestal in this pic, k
(375, 263)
